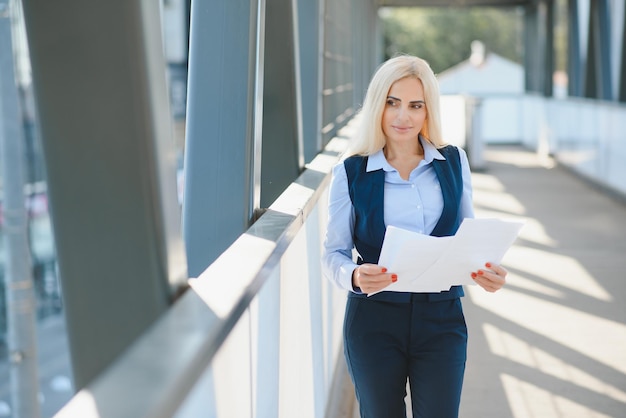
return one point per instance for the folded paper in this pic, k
(425, 263)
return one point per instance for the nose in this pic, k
(402, 113)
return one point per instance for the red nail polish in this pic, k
(473, 275)
(384, 270)
(394, 277)
(480, 272)
(488, 265)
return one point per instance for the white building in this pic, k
(483, 74)
(485, 82)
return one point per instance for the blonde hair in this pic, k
(369, 137)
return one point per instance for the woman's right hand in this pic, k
(371, 278)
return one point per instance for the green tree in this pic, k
(442, 36)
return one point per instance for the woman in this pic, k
(400, 173)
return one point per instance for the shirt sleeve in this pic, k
(337, 262)
(467, 205)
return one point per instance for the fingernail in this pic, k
(384, 270)
(488, 265)
(480, 272)
(473, 275)
(394, 277)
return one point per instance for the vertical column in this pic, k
(359, 37)
(340, 33)
(328, 81)
(622, 62)
(531, 46)
(19, 292)
(539, 47)
(367, 47)
(574, 60)
(598, 65)
(310, 28)
(548, 51)
(282, 118)
(100, 86)
(224, 116)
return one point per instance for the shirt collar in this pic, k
(377, 161)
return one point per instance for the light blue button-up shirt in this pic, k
(414, 204)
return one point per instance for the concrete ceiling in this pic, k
(455, 3)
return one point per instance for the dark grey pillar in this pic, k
(574, 60)
(622, 65)
(531, 52)
(310, 28)
(539, 47)
(282, 132)
(224, 114)
(598, 65)
(99, 77)
(365, 43)
(360, 48)
(548, 50)
(340, 34)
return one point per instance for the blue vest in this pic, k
(367, 194)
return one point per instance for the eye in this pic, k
(391, 102)
(417, 105)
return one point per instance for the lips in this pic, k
(402, 129)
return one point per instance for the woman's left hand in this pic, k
(492, 278)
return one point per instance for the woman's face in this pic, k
(405, 111)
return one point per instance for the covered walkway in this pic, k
(213, 303)
(553, 342)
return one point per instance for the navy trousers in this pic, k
(386, 343)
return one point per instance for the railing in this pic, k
(257, 335)
(588, 136)
(583, 134)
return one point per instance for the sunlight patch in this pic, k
(561, 270)
(593, 336)
(530, 401)
(501, 202)
(521, 282)
(517, 350)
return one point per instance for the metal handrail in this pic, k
(154, 375)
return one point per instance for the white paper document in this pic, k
(425, 263)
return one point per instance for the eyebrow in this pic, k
(413, 101)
